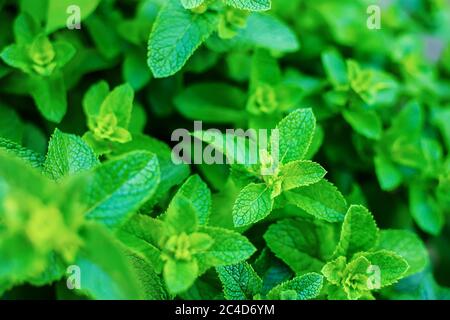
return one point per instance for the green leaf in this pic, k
(268, 32)
(146, 228)
(265, 69)
(204, 288)
(64, 53)
(171, 174)
(334, 270)
(302, 245)
(198, 194)
(272, 270)
(240, 281)
(142, 234)
(25, 29)
(252, 204)
(300, 173)
(389, 176)
(425, 211)
(422, 286)
(135, 70)
(49, 93)
(229, 247)
(365, 122)
(322, 200)
(409, 120)
(68, 155)
(176, 34)
(55, 271)
(350, 281)
(355, 278)
(200, 242)
(306, 287)
(106, 273)
(335, 68)
(17, 57)
(180, 275)
(392, 266)
(37, 223)
(359, 232)
(296, 132)
(138, 119)
(58, 14)
(120, 103)
(99, 28)
(181, 215)
(150, 282)
(407, 245)
(191, 4)
(212, 102)
(118, 188)
(94, 98)
(238, 149)
(16, 174)
(11, 126)
(251, 5)
(33, 158)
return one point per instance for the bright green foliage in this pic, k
(303, 287)
(252, 204)
(360, 266)
(296, 134)
(321, 169)
(212, 102)
(241, 282)
(299, 174)
(202, 199)
(180, 242)
(361, 260)
(322, 200)
(407, 245)
(405, 153)
(392, 265)
(68, 155)
(120, 187)
(109, 115)
(176, 34)
(281, 169)
(41, 60)
(36, 221)
(33, 158)
(299, 243)
(355, 90)
(51, 232)
(108, 274)
(359, 232)
(253, 5)
(191, 4)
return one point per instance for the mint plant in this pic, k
(289, 175)
(224, 149)
(241, 282)
(411, 150)
(183, 242)
(41, 60)
(195, 21)
(363, 259)
(109, 115)
(355, 90)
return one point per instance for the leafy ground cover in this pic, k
(349, 196)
